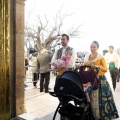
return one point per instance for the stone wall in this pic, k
(11, 58)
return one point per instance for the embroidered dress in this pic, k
(106, 102)
(102, 103)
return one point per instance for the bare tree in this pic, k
(47, 36)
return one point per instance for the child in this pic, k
(61, 65)
(86, 86)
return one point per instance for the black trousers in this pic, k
(44, 81)
(35, 78)
(114, 75)
(118, 77)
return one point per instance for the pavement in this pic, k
(41, 106)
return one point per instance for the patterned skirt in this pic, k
(103, 103)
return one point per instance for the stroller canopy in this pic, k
(70, 83)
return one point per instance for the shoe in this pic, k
(46, 91)
(25, 86)
(117, 80)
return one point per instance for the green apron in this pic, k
(111, 66)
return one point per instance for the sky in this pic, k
(99, 19)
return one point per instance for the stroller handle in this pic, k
(65, 95)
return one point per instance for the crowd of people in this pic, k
(65, 58)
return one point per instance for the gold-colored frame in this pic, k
(4, 60)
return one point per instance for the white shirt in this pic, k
(72, 60)
(112, 57)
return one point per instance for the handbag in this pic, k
(89, 76)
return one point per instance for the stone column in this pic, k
(11, 58)
(20, 108)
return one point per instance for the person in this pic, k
(112, 60)
(26, 63)
(62, 63)
(34, 67)
(118, 77)
(43, 64)
(61, 52)
(102, 103)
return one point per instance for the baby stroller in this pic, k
(74, 101)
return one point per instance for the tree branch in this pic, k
(45, 35)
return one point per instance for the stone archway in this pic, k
(11, 58)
